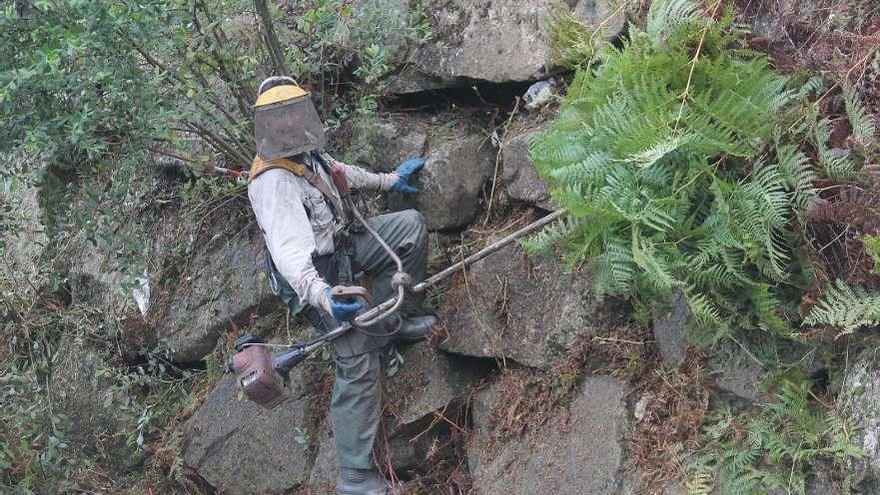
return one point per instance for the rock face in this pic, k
(571, 454)
(388, 142)
(491, 40)
(736, 373)
(242, 449)
(225, 283)
(859, 400)
(520, 178)
(670, 328)
(428, 381)
(530, 311)
(458, 163)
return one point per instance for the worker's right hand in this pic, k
(343, 311)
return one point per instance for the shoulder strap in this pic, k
(259, 166)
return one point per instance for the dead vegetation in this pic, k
(669, 409)
(669, 404)
(624, 352)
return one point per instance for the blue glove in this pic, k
(343, 311)
(405, 171)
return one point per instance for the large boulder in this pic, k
(672, 323)
(521, 180)
(575, 451)
(736, 372)
(458, 163)
(94, 278)
(383, 144)
(528, 310)
(240, 448)
(224, 282)
(201, 273)
(491, 40)
(425, 383)
(859, 400)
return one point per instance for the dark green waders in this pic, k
(355, 407)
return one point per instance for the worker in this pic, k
(312, 246)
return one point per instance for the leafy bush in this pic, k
(668, 158)
(33, 453)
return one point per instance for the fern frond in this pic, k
(615, 271)
(659, 150)
(766, 306)
(846, 307)
(546, 240)
(797, 174)
(812, 86)
(592, 168)
(864, 128)
(657, 274)
(836, 163)
(665, 16)
(705, 313)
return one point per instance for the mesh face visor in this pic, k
(288, 128)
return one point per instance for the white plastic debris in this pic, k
(496, 139)
(641, 407)
(539, 94)
(141, 293)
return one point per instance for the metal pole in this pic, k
(490, 249)
(486, 251)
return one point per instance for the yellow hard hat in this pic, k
(283, 89)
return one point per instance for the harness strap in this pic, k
(260, 165)
(321, 185)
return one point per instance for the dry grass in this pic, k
(536, 395)
(675, 403)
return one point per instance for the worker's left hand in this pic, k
(405, 171)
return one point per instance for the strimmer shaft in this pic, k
(392, 304)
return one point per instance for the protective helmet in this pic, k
(285, 120)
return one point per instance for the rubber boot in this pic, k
(415, 329)
(361, 482)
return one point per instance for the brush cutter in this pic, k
(262, 376)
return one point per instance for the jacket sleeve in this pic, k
(276, 200)
(359, 178)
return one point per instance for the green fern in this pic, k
(846, 307)
(674, 168)
(570, 40)
(545, 241)
(774, 446)
(836, 163)
(863, 126)
(797, 174)
(872, 246)
(666, 16)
